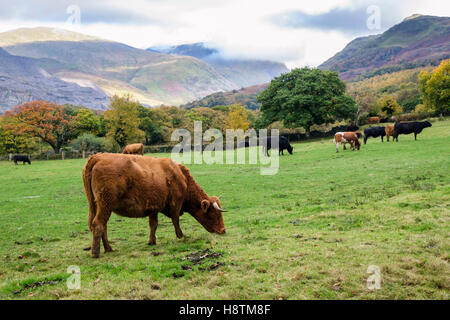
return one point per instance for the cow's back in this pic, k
(133, 185)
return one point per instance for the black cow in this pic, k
(283, 144)
(352, 128)
(415, 127)
(384, 120)
(374, 132)
(24, 159)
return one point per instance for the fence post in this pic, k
(10, 156)
(62, 155)
(84, 154)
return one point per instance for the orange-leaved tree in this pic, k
(41, 119)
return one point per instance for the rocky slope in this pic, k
(23, 80)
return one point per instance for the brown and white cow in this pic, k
(138, 187)
(347, 137)
(135, 148)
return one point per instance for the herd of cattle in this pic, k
(132, 185)
(391, 130)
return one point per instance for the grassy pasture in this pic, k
(311, 231)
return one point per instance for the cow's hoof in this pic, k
(152, 243)
(95, 255)
(109, 250)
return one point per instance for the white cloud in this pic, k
(240, 28)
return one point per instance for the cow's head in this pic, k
(211, 217)
(357, 144)
(290, 149)
(426, 124)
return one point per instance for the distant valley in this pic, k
(105, 68)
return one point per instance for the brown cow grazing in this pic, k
(135, 148)
(390, 131)
(347, 137)
(372, 120)
(138, 187)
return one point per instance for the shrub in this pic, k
(109, 145)
(87, 142)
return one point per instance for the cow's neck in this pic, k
(195, 195)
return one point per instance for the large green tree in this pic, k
(306, 96)
(152, 124)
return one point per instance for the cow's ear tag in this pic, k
(205, 205)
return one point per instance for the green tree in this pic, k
(86, 121)
(304, 97)
(152, 124)
(435, 88)
(14, 143)
(122, 120)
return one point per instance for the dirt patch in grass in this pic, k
(37, 284)
(198, 256)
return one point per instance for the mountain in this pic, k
(242, 72)
(151, 77)
(23, 80)
(415, 42)
(245, 96)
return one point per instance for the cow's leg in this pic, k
(176, 223)
(153, 222)
(382, 139)
(337, 147)
(106, 245)
(345, 148)
(99, 229)
(415, 136)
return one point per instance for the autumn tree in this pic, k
(41, 119)
(122, 120)
(435, 88)
(389, 106)
(237, 118)
(306, 97)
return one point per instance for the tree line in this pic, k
(59, 127)
(302, 98)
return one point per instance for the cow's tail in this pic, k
(87, 177)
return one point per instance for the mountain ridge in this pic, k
(416, 41)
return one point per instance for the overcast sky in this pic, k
(292, 31)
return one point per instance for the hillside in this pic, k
(402, 85)
(415, 42)
(23, 80)
(244, 96)
(242, 72)
(155, 78)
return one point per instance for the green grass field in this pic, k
(309, 232)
